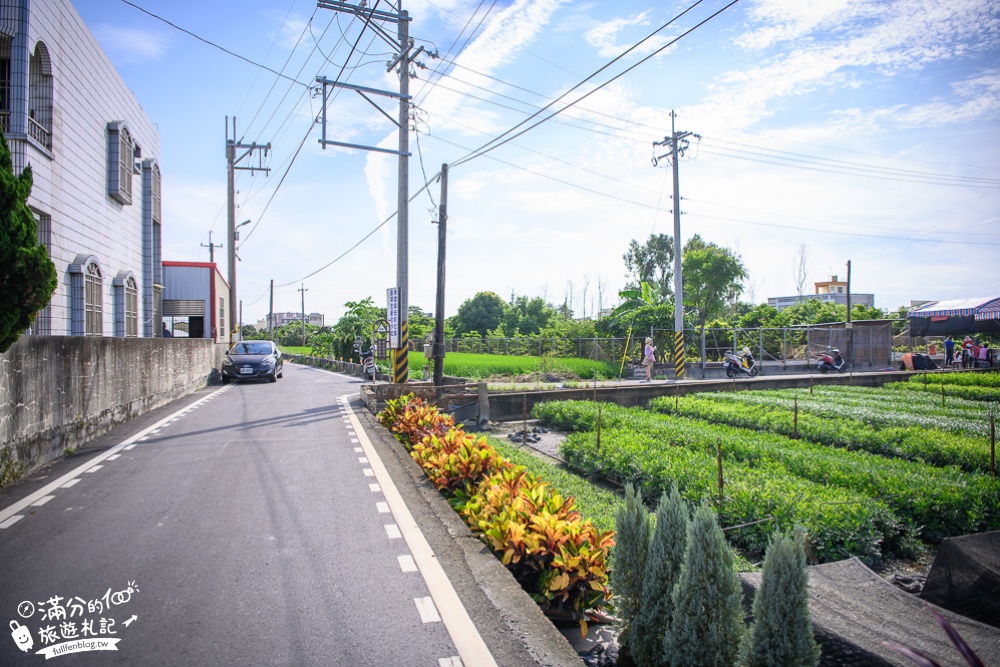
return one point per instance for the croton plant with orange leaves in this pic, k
(558, 557)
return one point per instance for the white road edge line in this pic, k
(472, 650)
(11, 510)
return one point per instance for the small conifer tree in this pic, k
(707, 622)
(663, 565)
(782, 631)
(633, 531)
(27, 275)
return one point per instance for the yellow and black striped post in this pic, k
(401, 370)
(679, 354)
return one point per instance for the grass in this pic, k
(482, 366)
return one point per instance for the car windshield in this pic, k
(251, 348)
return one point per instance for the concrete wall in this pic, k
(57, 392)
(508, 406)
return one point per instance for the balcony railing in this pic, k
(38, 132)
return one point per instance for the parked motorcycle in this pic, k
(367, 359)
(831, 361)
(737, 366)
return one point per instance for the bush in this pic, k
(559, 558)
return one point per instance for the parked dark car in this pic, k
(252, 359)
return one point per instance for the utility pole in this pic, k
(442, 222)
(405, 54)
(678, 143)
(270, 314)
(232, 166)
(303, 289)
(211, 248)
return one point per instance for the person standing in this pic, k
(949, 351)
(968, 360)
(647, 359)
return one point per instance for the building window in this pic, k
(43, 321)
(40, 97)
(126, 305)
(121, 148)
(93, 302)
(222, 315)
(5, 84)
(157, 208)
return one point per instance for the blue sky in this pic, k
(865, 131)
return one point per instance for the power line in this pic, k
(312, 125)
(501, 140)
(211, 43)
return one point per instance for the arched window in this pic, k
(40, 97)
(125, 293)
(93, 300)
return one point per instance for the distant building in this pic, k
(195, 298)
(827, 291)
(281, 319)
(94, 156)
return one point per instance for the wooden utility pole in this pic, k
(270, 314)
(303, 289)
(211, 248)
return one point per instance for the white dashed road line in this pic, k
(472, 650)
(428, 612)
(8, 513)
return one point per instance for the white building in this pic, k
(827, 291)
(94, 153)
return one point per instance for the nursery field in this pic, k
(867, 472)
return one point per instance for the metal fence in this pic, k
(865, 343)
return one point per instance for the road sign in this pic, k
(392, 310)
(382, 328)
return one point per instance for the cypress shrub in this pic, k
(708, 615)
(663, 564)
(633, 531)
(782, 631)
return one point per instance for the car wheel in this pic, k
(273, 377)
(282, 373)
(226, 380)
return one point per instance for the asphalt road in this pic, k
(250, 529)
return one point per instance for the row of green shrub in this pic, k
(654, 449)
(913, 443)
(971, 392)
(963, 379)
(558, 557)
(876, 413)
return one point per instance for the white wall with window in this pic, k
(94, 156)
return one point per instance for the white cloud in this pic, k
(604, 36)
(129, 45)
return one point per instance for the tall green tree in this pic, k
(27, 275)
(652, 262)
(707, 622)
(480, 314)
(782, 627)
(713, 278)
(357, 322)
(527, 316)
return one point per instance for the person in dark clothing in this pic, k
(166, 331)
(949, 351)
